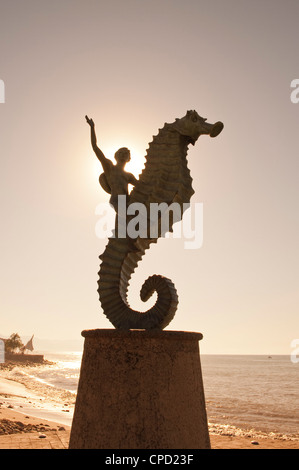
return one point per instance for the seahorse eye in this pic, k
(194, 119)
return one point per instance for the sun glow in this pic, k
(135, 165)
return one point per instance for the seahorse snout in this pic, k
(211, 129)
(216, 129)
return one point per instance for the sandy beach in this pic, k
(30, 421)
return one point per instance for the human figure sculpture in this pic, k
(115, 179)
(165, 178)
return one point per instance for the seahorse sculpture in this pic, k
(165, 178)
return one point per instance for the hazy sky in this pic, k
(133, 65)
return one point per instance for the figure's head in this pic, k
(122, 156)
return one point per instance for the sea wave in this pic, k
(233, 431)
(29, 376)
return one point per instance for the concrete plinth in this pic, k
(140, 389)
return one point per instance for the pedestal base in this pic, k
(140, 389)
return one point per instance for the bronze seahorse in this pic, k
(165, 178)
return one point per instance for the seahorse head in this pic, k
(192, 126)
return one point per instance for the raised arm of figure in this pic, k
(106, 163)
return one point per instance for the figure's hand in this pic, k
(90, 121)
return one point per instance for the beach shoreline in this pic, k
(26, 415)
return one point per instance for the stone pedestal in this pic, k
(140, 389)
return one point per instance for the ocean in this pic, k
(252, 392)
(244, 394)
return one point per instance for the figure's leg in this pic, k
(121, 222)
